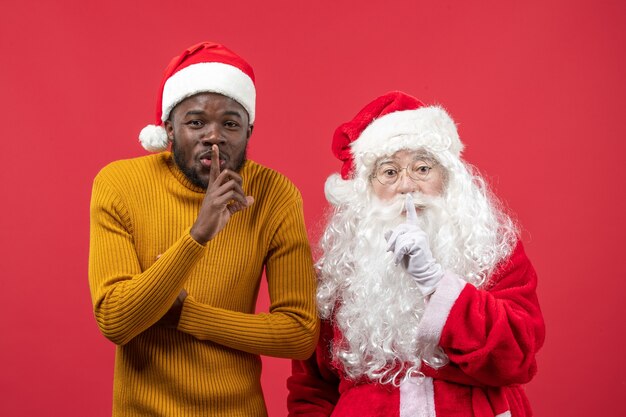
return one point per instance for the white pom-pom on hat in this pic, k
(338, 191)
(153, 138)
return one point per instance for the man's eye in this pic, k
(195, 123)
(390, 172)
(231, 124)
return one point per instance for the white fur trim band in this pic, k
(214, 77)
(438, 308)
(417, 398)
(428, 127)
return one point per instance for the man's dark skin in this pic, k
(209, 134)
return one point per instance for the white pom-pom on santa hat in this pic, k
(153, 138)
(203, 68)
(337, 190)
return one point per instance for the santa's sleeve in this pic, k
(491, 335)
(313, 385)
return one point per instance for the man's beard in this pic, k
(181, 157)
(377, 305)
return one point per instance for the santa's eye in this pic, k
(419, 170)
(387, 171)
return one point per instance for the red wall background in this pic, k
(537, 88)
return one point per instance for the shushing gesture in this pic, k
(410, 246)
(224, 197)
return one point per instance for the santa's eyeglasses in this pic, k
(387, 173)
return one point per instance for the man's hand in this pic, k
(410, 246)
(171, 318)
(224, 197)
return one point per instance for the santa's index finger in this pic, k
(215, 162)
(411, 213)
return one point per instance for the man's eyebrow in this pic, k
(194, 112)
(232, 113)
(226, 113)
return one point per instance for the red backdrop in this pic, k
(537, 88)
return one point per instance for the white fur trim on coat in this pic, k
(438, 308)
(417, 398)
(427, 127)
(214, 77)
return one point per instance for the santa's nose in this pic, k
(405, 184)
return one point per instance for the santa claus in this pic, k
(427, 299)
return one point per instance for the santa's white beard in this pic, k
(375, 304)
(378, 306)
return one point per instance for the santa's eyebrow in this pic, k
(419, 156)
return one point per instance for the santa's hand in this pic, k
(410, 246)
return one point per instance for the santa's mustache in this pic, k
(396, 206)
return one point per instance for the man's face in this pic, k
(199, 122)
(406, 172)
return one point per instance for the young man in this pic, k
(179, 242)
(427, 297)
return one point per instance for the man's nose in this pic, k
(212, 135)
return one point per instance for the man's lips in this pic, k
(205, 160)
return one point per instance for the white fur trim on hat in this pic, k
(426, 127)
(214, 77)
(153, 138)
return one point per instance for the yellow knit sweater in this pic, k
(141, 256)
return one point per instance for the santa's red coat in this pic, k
(490, 335)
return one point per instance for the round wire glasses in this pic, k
(387, 173)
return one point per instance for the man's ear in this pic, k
(169, 130)
(250, 128)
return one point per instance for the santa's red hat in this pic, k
(392, 122)
(205, 67)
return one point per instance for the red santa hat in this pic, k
(205, 67)
(392, 122)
